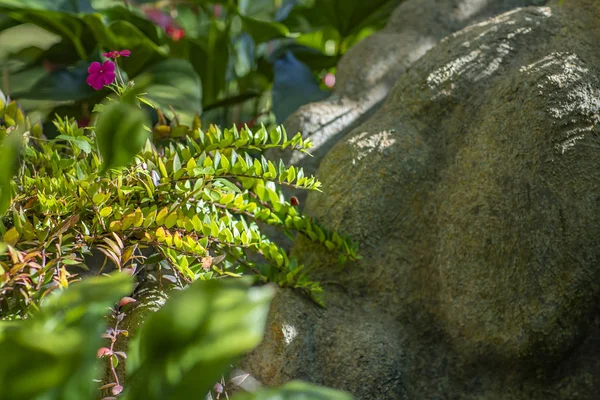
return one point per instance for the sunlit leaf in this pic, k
(185, 346)
(55, 351)
(10, 149)
(121, 134)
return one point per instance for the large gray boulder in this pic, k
(367, 72)
(475, 194)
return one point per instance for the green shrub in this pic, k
(194, 198)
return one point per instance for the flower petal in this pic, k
(125, 53)
(94, 67)
(108, 77)
(91, 79)
(108, 66)
(110, 54)
(95, 81)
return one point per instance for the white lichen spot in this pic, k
(289, 333)
(365, 143)
(566, 71)
(502, 51)
(452, 69)
(484, 59)
(545, 11)
(520, 31)
(572, 95)
(573, 136)
(545, 62)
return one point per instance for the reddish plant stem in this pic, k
(113, 340)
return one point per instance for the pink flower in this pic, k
(117, 54)
(175, 33)
(165, 21)
(103, 351)
(329, 80)
(100, 75)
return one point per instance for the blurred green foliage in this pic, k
(296, 390)
(185, 346)
(53, 354)
(179, 352)
(217, 55)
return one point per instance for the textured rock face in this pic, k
(368, 71)
(352, 348)
(474, 192)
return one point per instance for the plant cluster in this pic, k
(195, 198)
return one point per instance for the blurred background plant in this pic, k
(223, 59)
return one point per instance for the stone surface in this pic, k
(368, 71)
(474, 194)
(349, 348)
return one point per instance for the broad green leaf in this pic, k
(345, 16)
(121, 134)
(174, 83)
(11, 237)
(63, 84)
(74, 6)
(208, 57)
(122, 34)
(186, 346)
(263, 31)
(10, 149)
(64, 24)
(83, 145)
(171, 220)
(106, 211)
(54, 352)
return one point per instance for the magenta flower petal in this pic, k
(108, 77)
(125, 53)
(110, 54)
(108, 66)
(94, 67)
(98, 85)
(158, 17)
(90, 80)
(101, 75)
(96, 81)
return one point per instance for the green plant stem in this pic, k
(119, 72)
